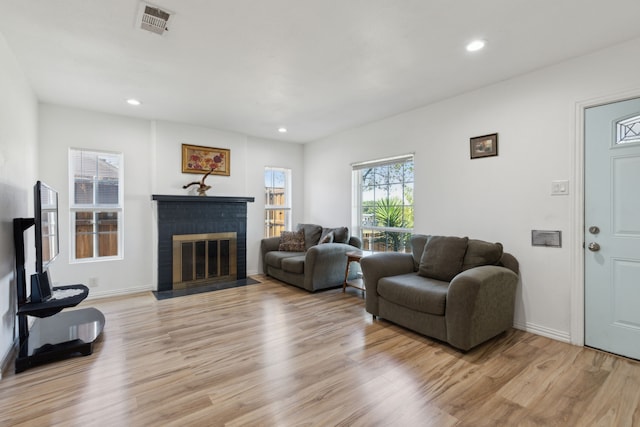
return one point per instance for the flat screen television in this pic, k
(46, 222)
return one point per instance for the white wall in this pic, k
(498, 198)
(18, 163)
(152, 161)
(64, 128)
(168, 177)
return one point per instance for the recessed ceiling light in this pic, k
(475, 45)
(133, 101)
(282, 130)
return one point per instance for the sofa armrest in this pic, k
(480, 304)
(267, 245)
(324, 265)
(379, 265)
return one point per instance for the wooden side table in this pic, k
(353, 256)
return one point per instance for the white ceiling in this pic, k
(314, 66)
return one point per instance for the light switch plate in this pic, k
(560, 188)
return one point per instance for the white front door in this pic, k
(612, 228)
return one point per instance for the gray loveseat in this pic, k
(318, 263)
(454, 289)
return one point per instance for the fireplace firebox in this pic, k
(204, 258)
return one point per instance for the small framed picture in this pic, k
(484, 146)
(198, 159)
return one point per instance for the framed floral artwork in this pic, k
(198, 159)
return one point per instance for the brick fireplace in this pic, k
(186, 219)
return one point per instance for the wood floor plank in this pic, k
(624, 382)
(271, 354)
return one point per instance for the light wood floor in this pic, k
(270, 354)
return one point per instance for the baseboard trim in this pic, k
(93, 294)
(554, 334)
(9, 357)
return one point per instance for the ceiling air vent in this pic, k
(154, 19)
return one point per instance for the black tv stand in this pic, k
(53, 335)
(60, 336)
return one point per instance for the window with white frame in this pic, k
(277, 204)
(96, 209)
(383, 203)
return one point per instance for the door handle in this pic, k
(594, 247)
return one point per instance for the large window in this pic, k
(277, 201)
(95, 180)
(383, 203)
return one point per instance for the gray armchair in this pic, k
(457, 290)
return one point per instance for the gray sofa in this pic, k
(319, 264)
(457, 290)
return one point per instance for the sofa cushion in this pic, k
(327, 238)
(415, 292)
(442, 257)
(275, 258)
(340, 234)
(418, 242)
(312, 233)
(292, 241)
(294, 264)
(480, 253)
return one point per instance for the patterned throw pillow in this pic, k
(292, 241)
